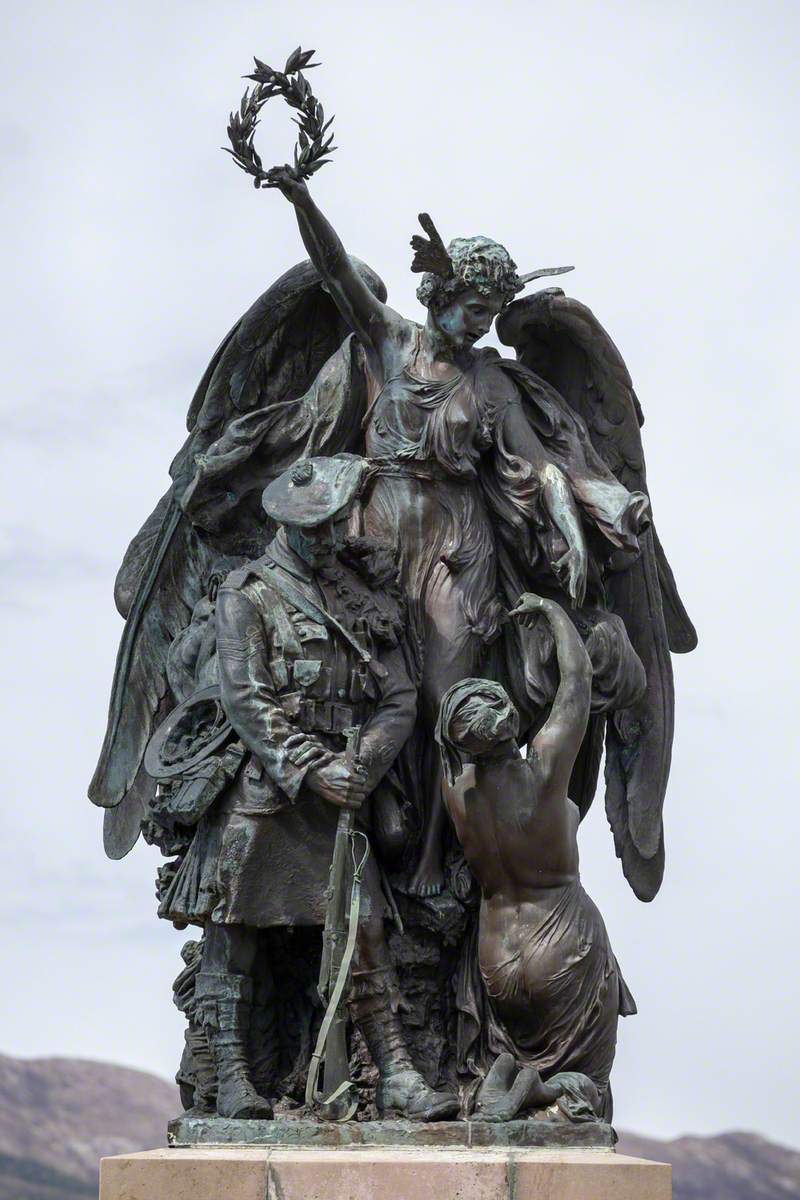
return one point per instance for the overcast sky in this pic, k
(654, 145)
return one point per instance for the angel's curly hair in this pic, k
(478, 263)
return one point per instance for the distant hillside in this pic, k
(730, 1166)
(59, 1116)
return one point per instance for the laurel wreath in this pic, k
(313, 148)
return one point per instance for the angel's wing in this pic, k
(561, 340)
(263, 368)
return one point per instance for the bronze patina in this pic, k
(400, 597)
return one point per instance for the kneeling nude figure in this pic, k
(554, 988)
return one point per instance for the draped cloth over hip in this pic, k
(553, 1000)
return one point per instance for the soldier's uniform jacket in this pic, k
(288, 678)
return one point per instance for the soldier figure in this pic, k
(307, 649)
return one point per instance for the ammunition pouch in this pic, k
(189, 798)
(323, 716)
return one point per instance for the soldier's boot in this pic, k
(197, 1075)
(223, 1002)
(402, 1091)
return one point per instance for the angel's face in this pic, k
(468, 317)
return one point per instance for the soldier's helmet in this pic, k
(314, 490)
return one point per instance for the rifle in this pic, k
(337, 1100)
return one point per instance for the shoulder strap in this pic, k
(235, 579)
(258, 591)
(297, 600)
(284, 630)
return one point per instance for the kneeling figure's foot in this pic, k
(509, 1091)
(406, 1094)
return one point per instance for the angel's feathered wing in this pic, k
(257, 408)
(561, 340)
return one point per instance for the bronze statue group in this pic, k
(401, 596)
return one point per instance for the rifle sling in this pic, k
(312, 1096)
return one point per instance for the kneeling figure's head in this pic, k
(476, 716)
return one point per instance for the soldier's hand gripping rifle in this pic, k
(336, 1100)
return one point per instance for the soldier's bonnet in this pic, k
(313, 490)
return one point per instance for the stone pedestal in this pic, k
(375, 1173)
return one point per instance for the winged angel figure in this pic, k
(490, 476)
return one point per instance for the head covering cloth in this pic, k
(479, 691)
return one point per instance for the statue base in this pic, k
(328, 1135)
(374, 1173)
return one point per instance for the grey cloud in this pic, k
(91, 412)
(26, 559)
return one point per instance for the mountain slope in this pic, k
(25, 1179)
(59, 1116)
(730, 1166)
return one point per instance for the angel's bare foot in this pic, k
(428, 879)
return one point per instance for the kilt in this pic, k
(264, 869)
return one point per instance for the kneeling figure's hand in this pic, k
(528, 607)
